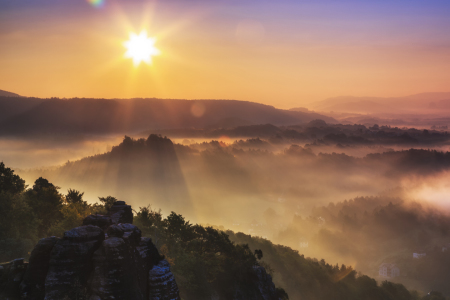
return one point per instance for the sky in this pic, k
(282, 53)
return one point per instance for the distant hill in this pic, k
(303, 109)
(31, 115)
(11, 106)
(418, 104)
(230, 123)
(8, 94)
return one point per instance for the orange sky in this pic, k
(283, 54)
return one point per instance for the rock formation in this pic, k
(266, 286)
(98, 220)
(33, 284)
(106, 258)
(121, 213)
(12, 275)
(71, 262)
(161, 282)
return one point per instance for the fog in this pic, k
(433, 189)
(45, 151)
(305, 194)
(227, 183)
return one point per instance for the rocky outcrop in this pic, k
(33, 284)
(115, 272)
(121, 213)
(116, 265)
(12, 274)
(71, 262)
(147, 257)
(161, 282)
(98, 220)
(106, 258)
(266, 286)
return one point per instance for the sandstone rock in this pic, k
(121, 213)
(148, 253)
(12, 276)
(119, 265)
(131, 234)
(115, 231)
(147, 257)
(84, 234)
(115, 272)
(98, 220)
(161, 283)
(33, 284)
(85, 265)
(71, 262)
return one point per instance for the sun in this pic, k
(141, 48)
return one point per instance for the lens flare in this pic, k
(198, 109)
(96, 3)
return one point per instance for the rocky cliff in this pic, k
(106, 258)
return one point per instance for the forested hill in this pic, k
(8, 94)
(206, 261)
(133, 115)
(306, 278)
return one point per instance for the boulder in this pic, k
(128, 232)
(98, 220)
(115, 231)
(131, 234)
(121, 213)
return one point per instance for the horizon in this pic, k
(241, 100)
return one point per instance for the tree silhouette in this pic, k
(10, 182)
(258, 253)
(108, 201)
(74, 196)
(46, 202)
